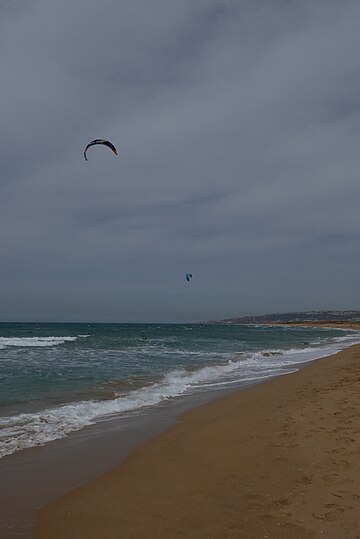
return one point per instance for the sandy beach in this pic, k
(277, 460)
(335, 324)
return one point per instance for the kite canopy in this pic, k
(188, 276)
(100, 141)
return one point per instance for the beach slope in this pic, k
(278, 460)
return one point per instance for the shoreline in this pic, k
(336, 324)
(35, 477)
(276, 460)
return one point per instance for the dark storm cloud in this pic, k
(237, 126)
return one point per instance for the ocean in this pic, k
(56, 379)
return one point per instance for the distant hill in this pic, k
(296, 317)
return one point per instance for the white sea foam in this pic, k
(29, 342)
(31, 429)
(28, 430)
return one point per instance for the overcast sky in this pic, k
(237, 124)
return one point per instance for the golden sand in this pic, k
(334, 324)
(280, 460)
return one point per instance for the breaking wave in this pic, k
(31, 342)
(27, 430)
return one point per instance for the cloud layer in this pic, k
(238, 131)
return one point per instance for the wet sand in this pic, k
(278, 460)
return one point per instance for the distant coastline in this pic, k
(349, 319)
(331, 324)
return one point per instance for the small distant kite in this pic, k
(188, 276)
(100, 141)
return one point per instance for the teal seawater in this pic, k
(58, 378)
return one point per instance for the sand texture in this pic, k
(280, 460)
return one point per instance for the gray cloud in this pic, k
(237, 125)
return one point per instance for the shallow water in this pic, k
(56, 379)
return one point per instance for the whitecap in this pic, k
(29, 342)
